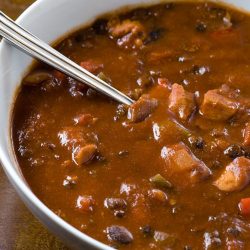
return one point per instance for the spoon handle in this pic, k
(30, 44)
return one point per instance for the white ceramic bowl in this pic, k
(49, 20)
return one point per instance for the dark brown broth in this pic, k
(199, 53)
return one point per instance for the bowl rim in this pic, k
(19, 184)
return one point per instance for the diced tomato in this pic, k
(91, 66)
(244, 206)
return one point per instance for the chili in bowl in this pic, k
(171, 171)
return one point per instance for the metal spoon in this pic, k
(30, 44)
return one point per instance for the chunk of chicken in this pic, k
(141, 109)
(235, 177)
(129, 33)
(247, 135)
(180, 160)
(181, 102)
(120, 29)
(218, 107)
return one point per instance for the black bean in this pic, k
(154, 35)
(119, 234)
(115, 203)
(201, 27)
(100, 26)
(79, 38)
(147, 231)
(196, 142)
(199, 143)
(234, 151)
(119, 213)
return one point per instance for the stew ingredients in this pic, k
(172, 171)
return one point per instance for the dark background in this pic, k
(19, 229)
